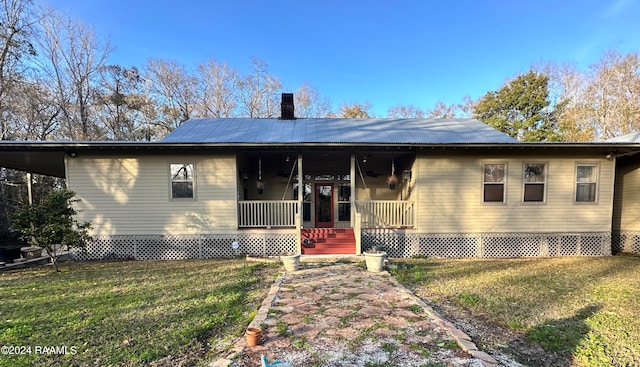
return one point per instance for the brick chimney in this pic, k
(286, 107)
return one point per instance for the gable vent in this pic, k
(286, 107)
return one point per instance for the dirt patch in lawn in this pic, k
(502, 343)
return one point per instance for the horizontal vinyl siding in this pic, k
(450, 197)
(123, 196)
(627, 205)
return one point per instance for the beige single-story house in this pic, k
(417, 187)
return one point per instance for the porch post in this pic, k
(356, 218)
(352, 183)
(299, 217)
(30, 187)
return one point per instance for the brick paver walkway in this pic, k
(342, 315)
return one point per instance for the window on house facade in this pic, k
(493, 182)
(306, 200)
(535, 177)
(344, 203)
(182, 180)
(586, 182)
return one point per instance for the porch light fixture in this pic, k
(406, 175)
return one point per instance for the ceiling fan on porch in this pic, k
(369, 172)
(372, 174)
(281, 172)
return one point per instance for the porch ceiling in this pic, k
(50, 163)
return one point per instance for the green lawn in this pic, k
(585, 309)
(128, 313)
(173, 312)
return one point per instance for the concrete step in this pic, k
(335, 240)
(327, 251)
(331, 245)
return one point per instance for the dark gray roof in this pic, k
(336, 131)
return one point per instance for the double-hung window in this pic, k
(535, 178)
(182, 180)
(344, 202)
(493, 182)
(586, 182)
(306, 200)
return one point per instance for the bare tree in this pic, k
(36, 111)
(174, 89)
(450, 111)
(440, 110)
(354, 111)
(601, 102)
(405, 111)
(18, 21)
(613, 94)
(443, 111)
(310, 103)
(219, 90)
(120, 103)
(260, 92)
(72, 57)
(567, 87)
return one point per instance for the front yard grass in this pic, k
(129, 313)
(584, 309)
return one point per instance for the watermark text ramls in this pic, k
(38, 349)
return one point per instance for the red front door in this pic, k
(324, 205)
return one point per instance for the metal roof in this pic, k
(627, 138)
(336, 131)
(198, 135)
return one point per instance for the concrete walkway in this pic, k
(342, 315)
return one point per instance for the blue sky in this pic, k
(382, 52)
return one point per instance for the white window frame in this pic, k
(544, 183)
(597, 182)
(503, 183)
(172, 180)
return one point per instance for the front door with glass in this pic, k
(324, 205)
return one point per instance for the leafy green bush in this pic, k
(51, 225)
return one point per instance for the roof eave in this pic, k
(48, 157)
(67, 146)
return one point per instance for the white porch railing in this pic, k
(386, 213)
(267, 213)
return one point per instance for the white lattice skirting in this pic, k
(399, 243)
(149, 247)
(626, 241)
